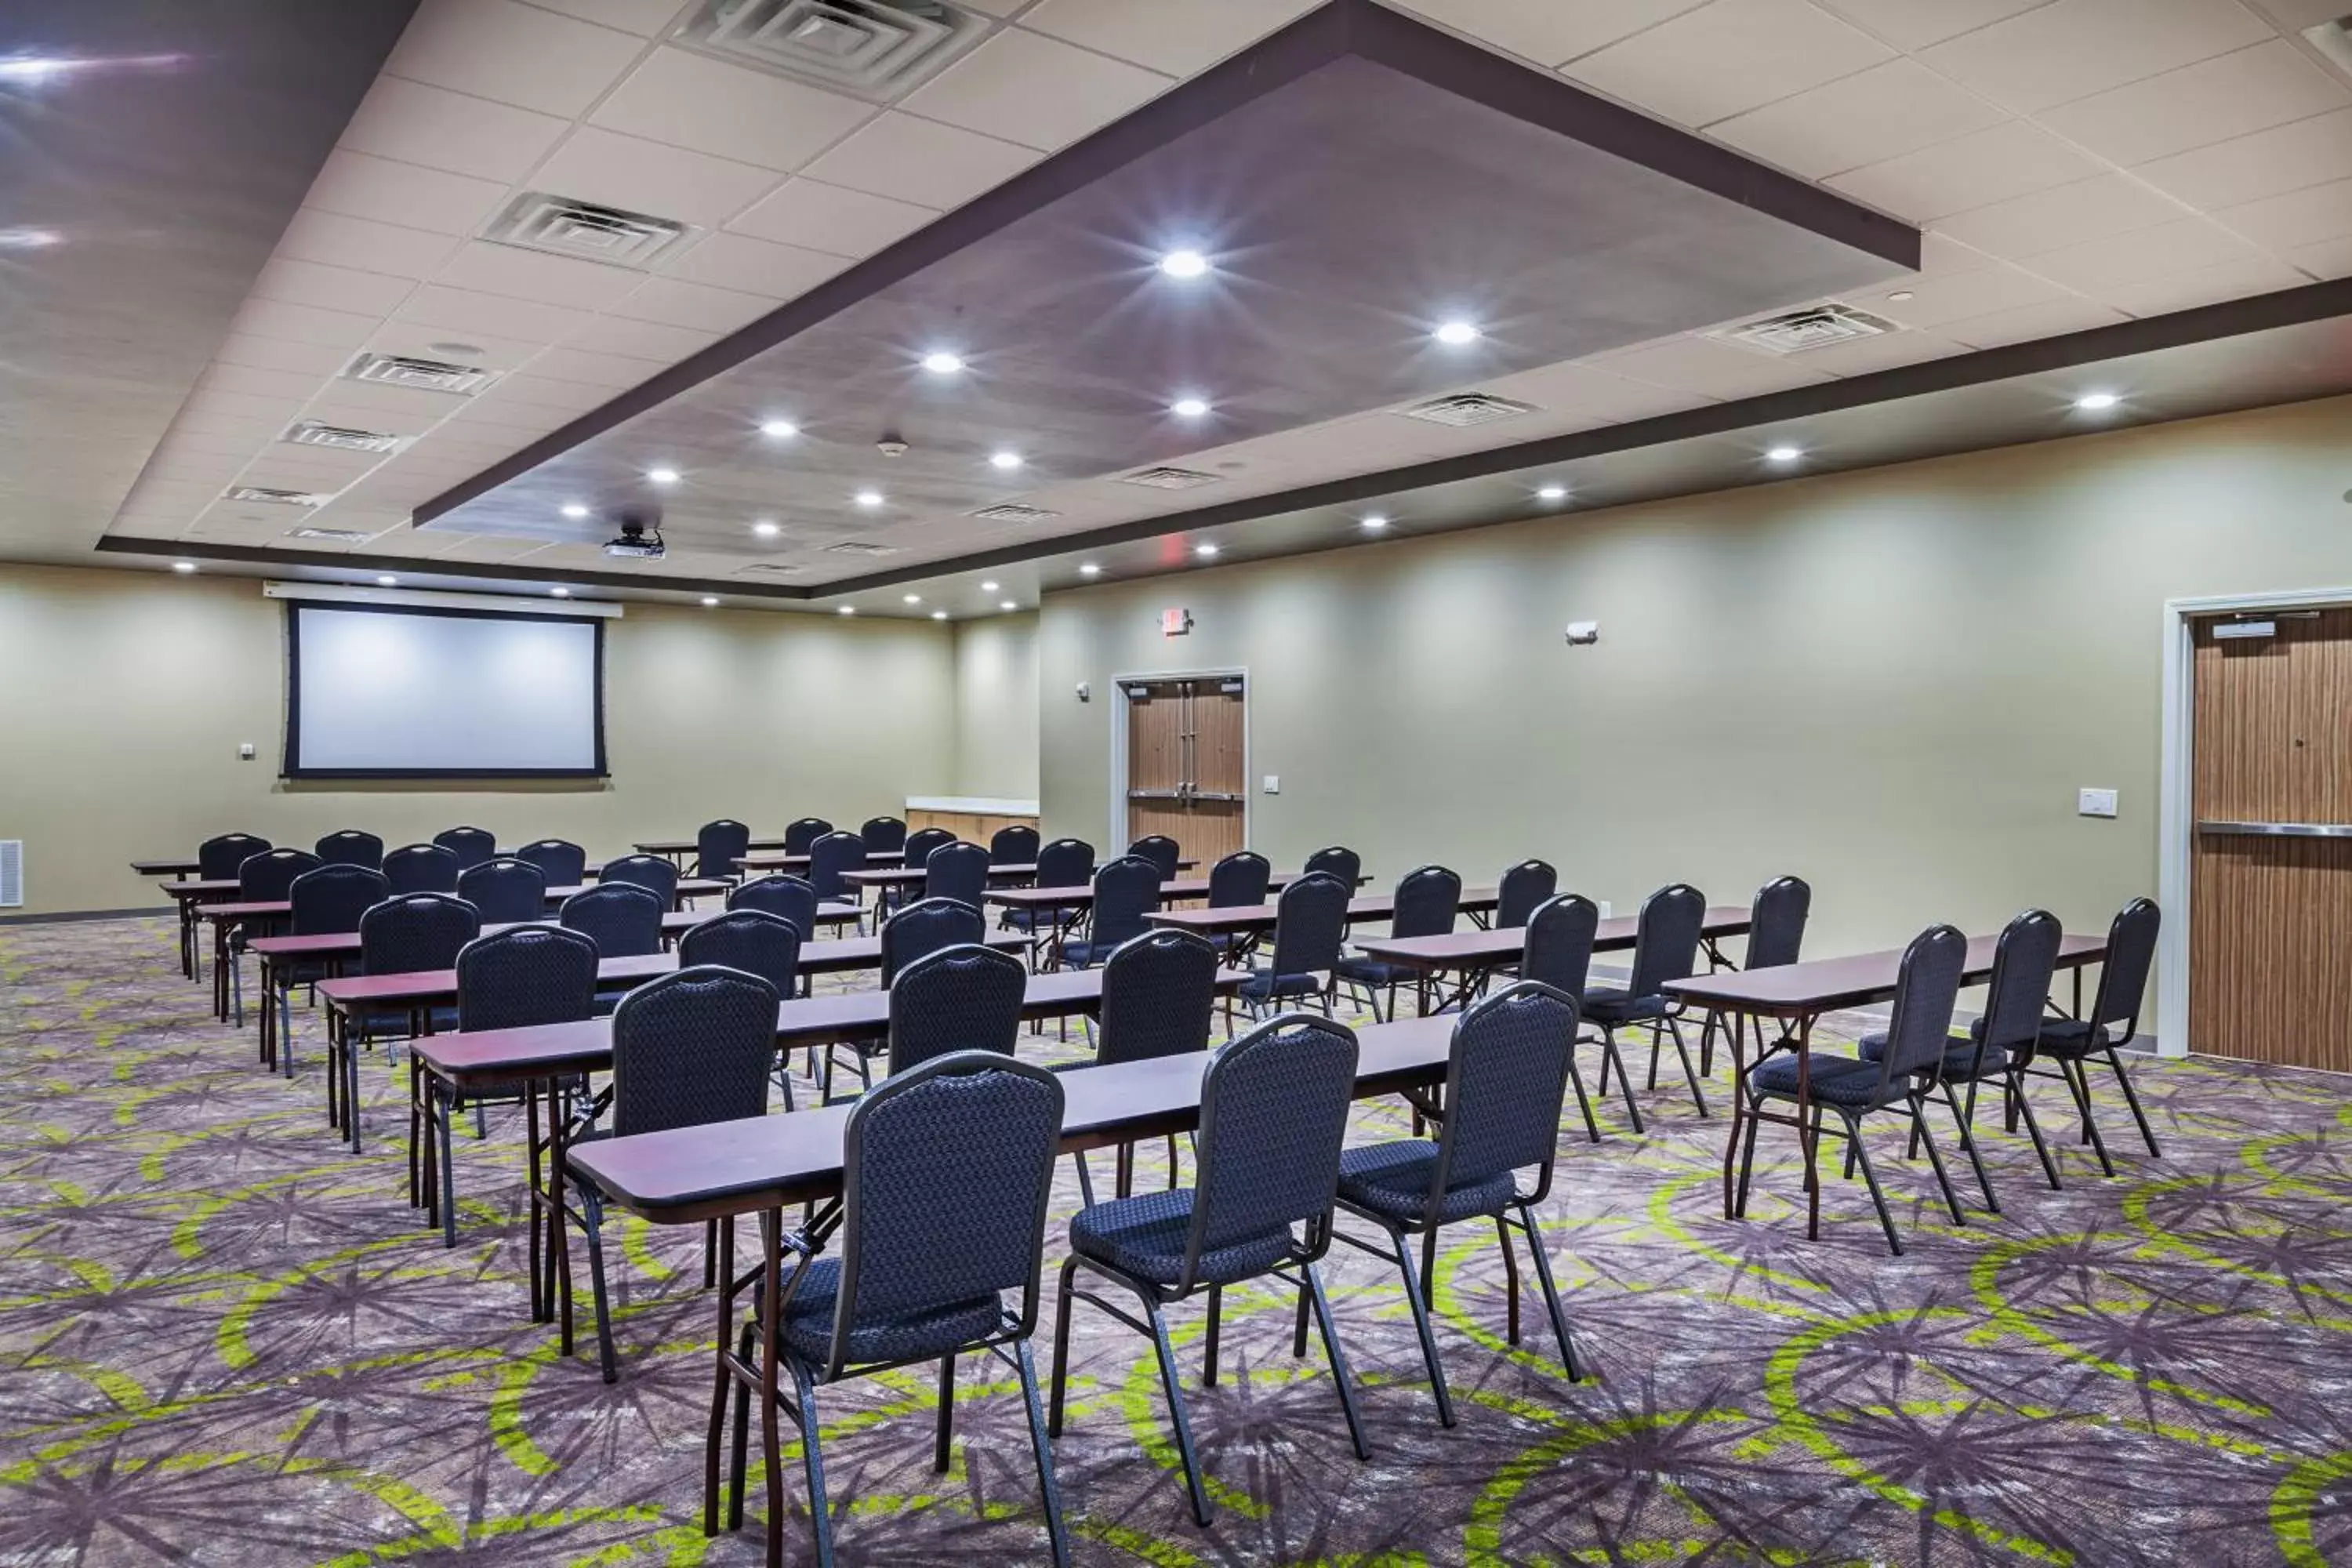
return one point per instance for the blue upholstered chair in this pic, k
(1523, 887)
(654, 873)
(1013, 845)
(1159, 849)
(1310, 923)
(1776, 935)
(717, 845)
(1559, 953)
(883, 835)
(506, 891)
(218, 857)
(799, 835)
(472, 846)
(1126, 891)
(2071, 1045)
(350, 846)
(1427, 901)
(1158, 995)
(1666, 947)
(563, 863)
(958, 872)
(756, 942)
(422, 868)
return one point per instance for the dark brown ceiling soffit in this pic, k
(1339, 29)
(410, 566)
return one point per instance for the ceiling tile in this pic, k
(2062, 216)
(2030, 322)
(304, 323)
(643, 17)
(257, 382)
(245, 404)
(1704, 366)
(753, 266)
(512, 54)
(531, 275)
(640, 340)
(1730, 55)
(357, 185)
(2266, 163)
(1865, 356)
(2098, 265)
(340, 241)
(1956, 296)
(313, 360)
(567, 397)
(726, 111)
(1915, 24)
(2329, 259)
(412, 407)
(1576, 390)
(465, 312)
(2204, 286)
(819, 216)
(366, 414)
(1035, 90)
(1872, 115)
(921, 161)
(2009, 160)
(2074, 47)
(420, 339)
(1549, 35)
(613, 370)
(638, 175)
(2229, 95)
(2298, 218)
(678, 304)
(441, 130)
(334, 288)
(1178, 39)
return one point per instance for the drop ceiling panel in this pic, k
(710, 106)
(414, 123)
(921, 161)
(2070, 314)
(303, 323)
(2181, 246)
(694, 305)
(470, 313)
(817, 217)
(2267, 164)
(637, 175)
(2072, 49)
(1727, 57)
(2047, 220)
(1176, 39)
(1995, 164)
(1884, 112)
(385, 191)
(331, 288)
(521, 55)
(522, 274)
(644, 18)
(994, 90)
(750, 266)
(2298, 218)
(2184, 290)
(662, 344)
(1549, 35)
(2229, 95)
(1915, 24)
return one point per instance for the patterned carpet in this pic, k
(222, 1341)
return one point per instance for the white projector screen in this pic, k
(419, 693)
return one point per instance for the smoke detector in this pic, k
(1817, 327)
(874, 49)
(1466, 408)
(421, 375)
(563, 226)
(1167, 479)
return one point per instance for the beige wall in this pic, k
(127, 694)
(996, 707)
(1890, 683)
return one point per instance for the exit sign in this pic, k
(1175, 623)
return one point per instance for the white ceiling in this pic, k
(2075, 162)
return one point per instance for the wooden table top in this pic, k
(1826, 984)
(331, 944)
(1262, 917)
(166, 867)
(1485, 948)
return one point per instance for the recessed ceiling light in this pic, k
(1456, 333)
(765, 529)
(1785, 454)
(914, 598)
(988, 588)
(561, 592)
(1007, 460)
(939, 361)
(846, 610)
(1204, 550)
(1089, 569)
(2096, 402)
(387, 582)
(574, 509)
(780, 429)
(1900, 295)
(1008, 605)
(1552, 492)
(869, 498)
(1189, 407)
(709, 601)
(1374, 522)
(184, 567)
(1183, 264)
(938, 614)
(662, 476)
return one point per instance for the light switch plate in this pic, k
(1273, 783)
(2095, 803)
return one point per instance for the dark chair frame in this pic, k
(1427, 903)
(2113, 1021)
(1668, 1024)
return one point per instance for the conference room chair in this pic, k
(918, 846)
(472, 846)
(2071, 1045)
(965, 997)
(958, 872)
(1161, 850)
(1273, 1111)
(933, 1232)
(264, 879)
(1666, 947)
(1427, 901)
(327, 899)
(1505, 1078)
(1310, 922)
(1523, 887)
(563, 863)
(757, 943)
(688, 1050)
(350, 846)
(513, 979)
(621, 919)
(1126, 891)
(1239, 880)
(799, 835)
(1559, 953)
(654, 873)
(829, 857)
(792, 897)
(218, 857)
(1776, 936)
(884, 835)
(717, 845)
(1064, 863)
(1013, 845)
(506, 889)
(1158, 995)
(407, 933)
(919, 928)
(1919, 1033)
(422, 868)
(1340, 862)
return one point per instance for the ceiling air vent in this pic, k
(876, 49)
(265, 496)
(335, 535)
(1815, 328)
(1014, 511)
(2333, 39)
(423, 374)
(562, 227)
(310, 433)
(859, 547)
(770, 569)
(1167, 479)
(1466, 408)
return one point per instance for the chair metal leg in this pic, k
(1869, 1174)
(1172, 1384)
(1746, 1165)
(1047, 1491)
(947, 1414)
(1510, 1276)
(1413, 1295)
(1298, 1329)
(1551, 1297)
(1209, 1350)
(1062, 1304)
(1086, 1179)
(1340, 1377)
(811, 1460)
(2131, 1098)
(744, 1348)
(444, 1134)
(1609, 1058)
(1657, 1044)
(1969, 1145)
(2022, 1106)
(1583, 1101)
(1936, 1160)
(1690, 1075)
(592, 1221)
(2079, 1082)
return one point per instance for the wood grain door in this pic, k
(2270, 946)
(1185, 759)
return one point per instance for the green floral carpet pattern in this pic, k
(224, 1339)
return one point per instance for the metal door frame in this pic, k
(1119, 738)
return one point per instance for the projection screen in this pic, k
(378, 692)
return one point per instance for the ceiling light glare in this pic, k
(1785, 454)
(574, 510)
(1089, 569)
(938, 614)
(869, 498)
(1552, 492)
(387, 582)
(662, 476)
(1374, 522)
(988, 588)
(1204, 550)
(777, 429)
(1183, 264)
(846, 610)
(1454, 334)
(914, 598)
(561, 592)
(765, 529)
(1189, 407)
(2096, 402)
(1006, 460)
(184, 567)
(1008, 605)
(939, 361)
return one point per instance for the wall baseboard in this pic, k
(62, 916)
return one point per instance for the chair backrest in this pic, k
(655, 874)
(1125, 891)
(1065, 863)
(472, 846)
(1273, 1111)
(350, 846)
(1161, 850)
(1523, 887)
(524, 975)
(621, 919)
(1665, 939)
(1427, 900)
(1310, 922)
(422, 868)
(2023, 962)
(505, 890)
(218, 857)
(2123, 974)
(332, 898)
(790, 897)
(958, 872)
(752, 941)
(1158, 994)
(800, 835)
(1505, 1077)
(1340, 862)
(1013, 845)
(692, 1047)
(1926, 988)
(831, 856)
(963, 998)
(266, 877)
(717, 845)
(563, 863)
(410, 932)
(1558, 951)
(925, 926)
(946, 1173)
(920, 844)
(883, 835)
(1239, 880)
(1776, 923)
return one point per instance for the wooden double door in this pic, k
(2270, 966)
(1186, 763)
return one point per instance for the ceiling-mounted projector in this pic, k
(636, 543)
